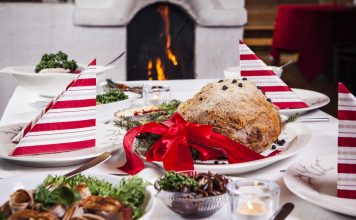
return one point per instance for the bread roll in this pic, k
(236, 109)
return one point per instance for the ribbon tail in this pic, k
(178, 156)
(134, 164)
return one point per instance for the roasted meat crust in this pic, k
(236, 109)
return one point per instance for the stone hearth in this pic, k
(219, 25)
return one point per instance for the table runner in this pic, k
(258, 72)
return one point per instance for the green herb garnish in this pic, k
(62, 195)
(59, 60)
(175, 182)
(2, 216)
(290, 118)
(110, 96)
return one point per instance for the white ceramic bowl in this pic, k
(46, 84)
(107, 111)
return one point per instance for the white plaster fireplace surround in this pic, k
(219, 25)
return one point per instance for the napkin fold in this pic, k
(255, 70)
(67, 123)
(346, 181)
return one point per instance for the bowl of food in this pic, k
(89, 196)
(111, 101)
(192, 194)
(51, 75)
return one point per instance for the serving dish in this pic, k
(207, 198)
(108, 140)
(47, 84)
(31, 181)
(106, 112)
(314, 180)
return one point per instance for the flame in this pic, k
(160, 70)
(157, 64)
(149, 69)
(164, 11)
(249, 205)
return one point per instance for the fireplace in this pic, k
(205, 44)
(160, 44)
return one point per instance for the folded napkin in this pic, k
(258, 72)
(67, 123)
(346, 182)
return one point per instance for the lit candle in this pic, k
(251, 210)
(155, 99)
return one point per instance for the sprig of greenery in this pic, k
(61, 195)
(291, 118)
(59, 60)
(110, 96)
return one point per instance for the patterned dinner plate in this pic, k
(314, 180)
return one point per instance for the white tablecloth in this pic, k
(22, 107)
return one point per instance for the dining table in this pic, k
(24, 105)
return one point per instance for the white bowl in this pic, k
(46, 84)
(107, 111)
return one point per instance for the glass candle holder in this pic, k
(156, 94)
(252, 199)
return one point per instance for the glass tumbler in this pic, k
(252, 199)
(156, 94)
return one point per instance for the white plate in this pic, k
(31, 181)
(108, 139)
(296, 136)
(314, 99)
(46, 84)
(106, 112)
(314, 179)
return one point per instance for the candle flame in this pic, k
(249, 205)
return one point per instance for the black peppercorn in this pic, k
(220, 81)
(216, 162)
(244, 78)
(258, 87)
(273, 147)
(224, 87)
(269, 100)
(239, 84)
(234, 81)
(201, 99)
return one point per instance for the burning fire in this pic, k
(164, 12)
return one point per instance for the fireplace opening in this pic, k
(160, 44)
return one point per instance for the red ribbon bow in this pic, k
(173, 148)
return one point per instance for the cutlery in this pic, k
(286, 64)
(313, 119)
(115, 59)
(283, 212)
(96, 161)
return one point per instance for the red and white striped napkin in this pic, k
(67, 123)
(255, 70)
(346, 182)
